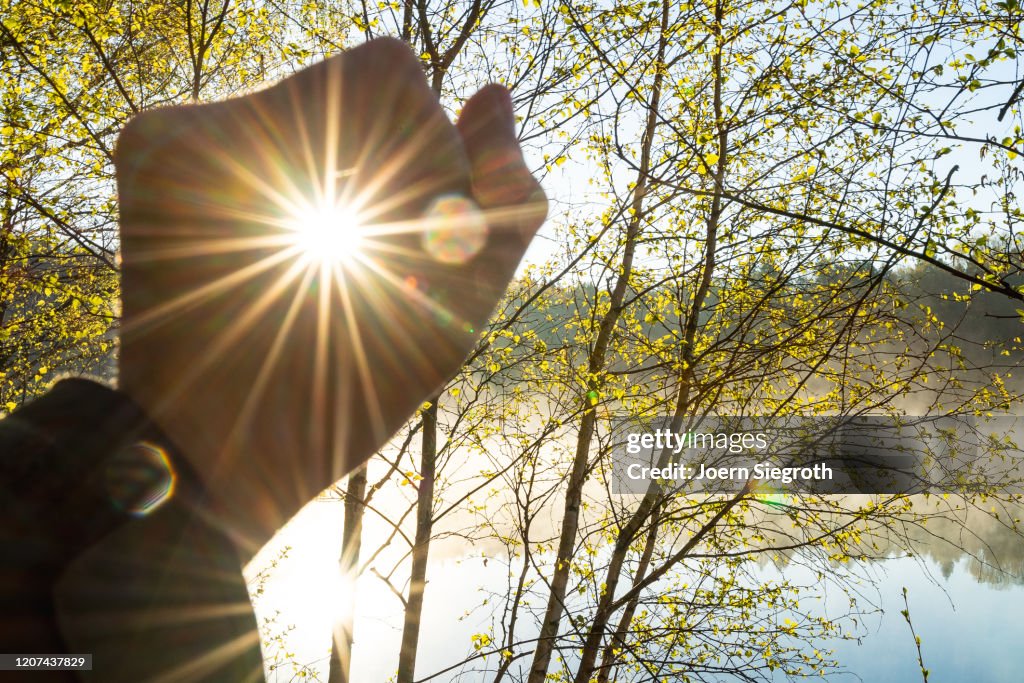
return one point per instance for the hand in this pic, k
(277, 371)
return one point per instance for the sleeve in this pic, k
(109, 549)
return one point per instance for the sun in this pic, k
(328, 234)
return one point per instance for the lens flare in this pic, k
(140, 478)
(455, 230)
(771, 495)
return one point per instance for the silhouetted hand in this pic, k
(274, 366)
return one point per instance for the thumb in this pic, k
(502, 184)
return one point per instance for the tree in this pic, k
(792, 209)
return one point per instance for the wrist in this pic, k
(96, 460)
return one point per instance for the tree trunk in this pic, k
(618, 640)
(424, 527)
(653, 497)
(596, 364)
(344, 628)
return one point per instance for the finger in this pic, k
(502, 184)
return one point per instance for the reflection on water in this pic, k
(983, 541)
(997, 554)
(965, 582)
(969, 631)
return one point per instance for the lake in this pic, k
(967, 614)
